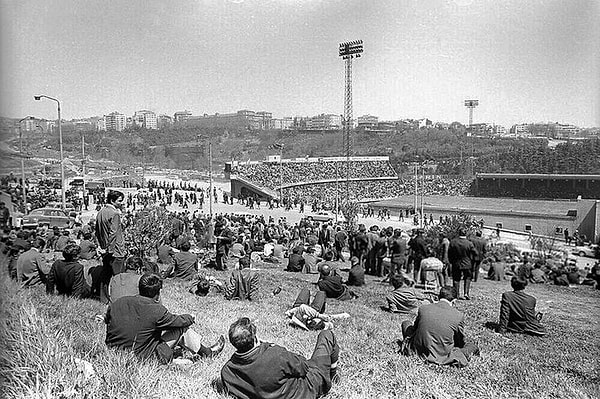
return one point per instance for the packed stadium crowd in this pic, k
(267, 174)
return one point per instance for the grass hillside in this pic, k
(44, 336)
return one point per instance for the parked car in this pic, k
(47, 217)
(585, 250)
(69, 208)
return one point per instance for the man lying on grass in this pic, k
(437, 334)
(264, 370)
(313, 316)
(144, 325)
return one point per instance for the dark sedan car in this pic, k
(47, 217)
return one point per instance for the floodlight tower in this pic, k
(348, 51)
(471, 104)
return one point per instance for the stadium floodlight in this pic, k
(348, 51)
(471, 104)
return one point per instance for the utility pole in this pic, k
(210, 178)
(348, 51)
(83, 160)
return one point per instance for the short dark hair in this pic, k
(244, 262)
(71, 251)
(134, 263)
(328, 255)
(150, 285)
(462, 231)
(242, 334)
(87, 235)
(447, 292)
(397, 280)
(39, 243)
(518, 283)
(185, 246)
(202, 287)
(114, 195)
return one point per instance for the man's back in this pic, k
(332, 285)
(242, 284)
(517, 313)
(439, 334)
(267, 371)
(186, 265)
(460, 253)
(109, 232)
(124, 284)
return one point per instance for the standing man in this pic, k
(480, 244)
(398, 249)
(443, 256)
(418, 251)
(109, 233)
(4, 216)
(461, 253)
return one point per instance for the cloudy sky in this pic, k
(526, 61)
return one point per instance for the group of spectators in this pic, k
(267, 174)
(130, 283)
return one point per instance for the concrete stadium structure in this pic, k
(538, 216)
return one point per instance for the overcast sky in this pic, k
(525, 60)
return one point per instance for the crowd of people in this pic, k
(129, 281)
(267, 174)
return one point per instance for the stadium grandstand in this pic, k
(322, 179)
(548, 186)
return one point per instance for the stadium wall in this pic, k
(541, 217)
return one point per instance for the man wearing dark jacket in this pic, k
(480, 244)
(141, 323)
(268, 371)
(438, 333)
(67, 275)
(333, 286)
(461, 253)
(109, 233)
(418, 252)
(517, 311)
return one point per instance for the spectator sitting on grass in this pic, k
(517, 311)
(403, 299)
(243, 282)
(333, 286)
(88, 247)
(538, 276)
(67, 275)
(265, 370)
(185, 263)
(31, 268)
(310, 261)
(126, 284)
(438, 333)
(141, 323)
(356, 276)
(296, 261)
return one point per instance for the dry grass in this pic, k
(42, 336)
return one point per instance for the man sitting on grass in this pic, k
(403, 299)
(31, 267)
(517, 311)
(356, 276)
(141, 323)
(243, 283)
(67, 275)
(185, 263)
(333, 286)
(264, 370)
(437, 334)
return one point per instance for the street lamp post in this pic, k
(23, 163)
(60, 141)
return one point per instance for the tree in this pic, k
(147, 228)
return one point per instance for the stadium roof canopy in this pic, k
(516, 176)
